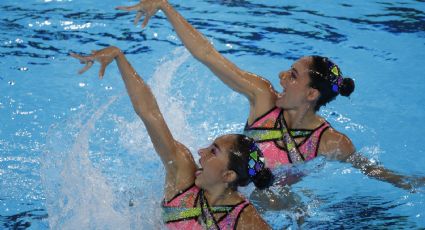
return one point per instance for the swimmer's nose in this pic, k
(282, 75)
(200, 152)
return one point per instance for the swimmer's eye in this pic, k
(293, 76)
(213, 151)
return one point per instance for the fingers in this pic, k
(89, 64)
(127, 8)
(79, 57)
(145, 21)
(138, 16)
(83, 59)
(102, 70)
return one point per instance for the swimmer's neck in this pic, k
(301, 118)
(221, 196)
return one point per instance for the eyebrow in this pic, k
(215, 145)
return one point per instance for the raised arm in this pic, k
(175, 157)
(255, 88)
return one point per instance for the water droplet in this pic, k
(23, 68)
(82, 84)
(11, 82)
(108, 87)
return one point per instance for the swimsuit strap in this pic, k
(207, 214)
(294, 154)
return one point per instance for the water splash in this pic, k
(172, 107)
(77, 194)
(82, 190)
(137, 145)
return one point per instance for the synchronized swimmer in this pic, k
(285, 125)
(195, 198)
(282, 129)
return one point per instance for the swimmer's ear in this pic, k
(229, 176)
(313, 94)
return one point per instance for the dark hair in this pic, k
(238, 162)
(327, 82)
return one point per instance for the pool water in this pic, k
(73, 154)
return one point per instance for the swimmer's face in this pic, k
(295, 83)
(214, 163)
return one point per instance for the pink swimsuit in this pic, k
(267, 132)
(182, 212)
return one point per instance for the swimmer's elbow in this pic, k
(150, 117)
(205, 54)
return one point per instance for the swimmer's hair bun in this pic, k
(263, 179)
(347, 87)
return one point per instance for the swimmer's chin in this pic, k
(279, 100)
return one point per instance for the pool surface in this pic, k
(73, 154)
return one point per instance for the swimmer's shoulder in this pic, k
(251, 219)
(335, 145)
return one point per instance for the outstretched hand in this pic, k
(103, 56)
(148, 8)
(414, 183)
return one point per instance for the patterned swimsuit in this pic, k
(267, 132)
(182, 212)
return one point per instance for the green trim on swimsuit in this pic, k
(274, 134)
(264, 135)
(175, 214)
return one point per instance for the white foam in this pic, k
(77, 194)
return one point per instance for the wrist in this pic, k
(163, 4)
(116, 52)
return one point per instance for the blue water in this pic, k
(73, 154)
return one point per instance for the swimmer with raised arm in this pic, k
(285, 125)
(195, 198)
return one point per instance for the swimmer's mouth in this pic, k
(198, 171)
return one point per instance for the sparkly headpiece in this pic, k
(334, 77)
(256, 160)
